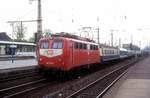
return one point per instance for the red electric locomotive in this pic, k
(65, 52)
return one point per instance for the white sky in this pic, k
(57, 16)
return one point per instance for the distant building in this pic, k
(21, 47)
(3, 37)
(130, 47)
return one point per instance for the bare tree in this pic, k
(20, 31)
(32, 38)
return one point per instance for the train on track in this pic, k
(64, 52)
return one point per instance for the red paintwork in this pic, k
(70, 58)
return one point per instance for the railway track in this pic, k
(13, 85)
(18, 75)
(92, 85)
(68, 89)
(97, 88)
(22, 88)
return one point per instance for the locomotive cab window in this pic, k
(44, 45)
(57, 45)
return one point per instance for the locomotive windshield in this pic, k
(44, 45)
(57, 45)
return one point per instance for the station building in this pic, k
(6, 44)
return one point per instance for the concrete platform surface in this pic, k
(17, 64)
(134, 84)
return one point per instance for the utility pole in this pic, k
(98, 30)
(39, 19)
(21, 27)
(119, 42)
(131, 42)
(140, 44)
(112, 37)
(12, 24)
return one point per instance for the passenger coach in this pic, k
(109, 53)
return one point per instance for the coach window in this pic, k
(96, 47)
(85, 46)
(80, 45)
(102, 50)
(91, 47)
(105, 51)
(76, 45)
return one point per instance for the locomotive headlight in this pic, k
(63, 63)
(59, 59)
(40, 59)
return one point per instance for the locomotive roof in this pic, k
(82, 41)
(75, 40)
(67, 35)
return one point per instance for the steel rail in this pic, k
(99, 79)
(17, 86)
(5, 90)
(109, 86)
(24, 91)
(18, 76)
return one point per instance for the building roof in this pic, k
(6, 40)
(4, 37)
(17, 43)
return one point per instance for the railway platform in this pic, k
(134, 84)
(16, 57)
(18, 66)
